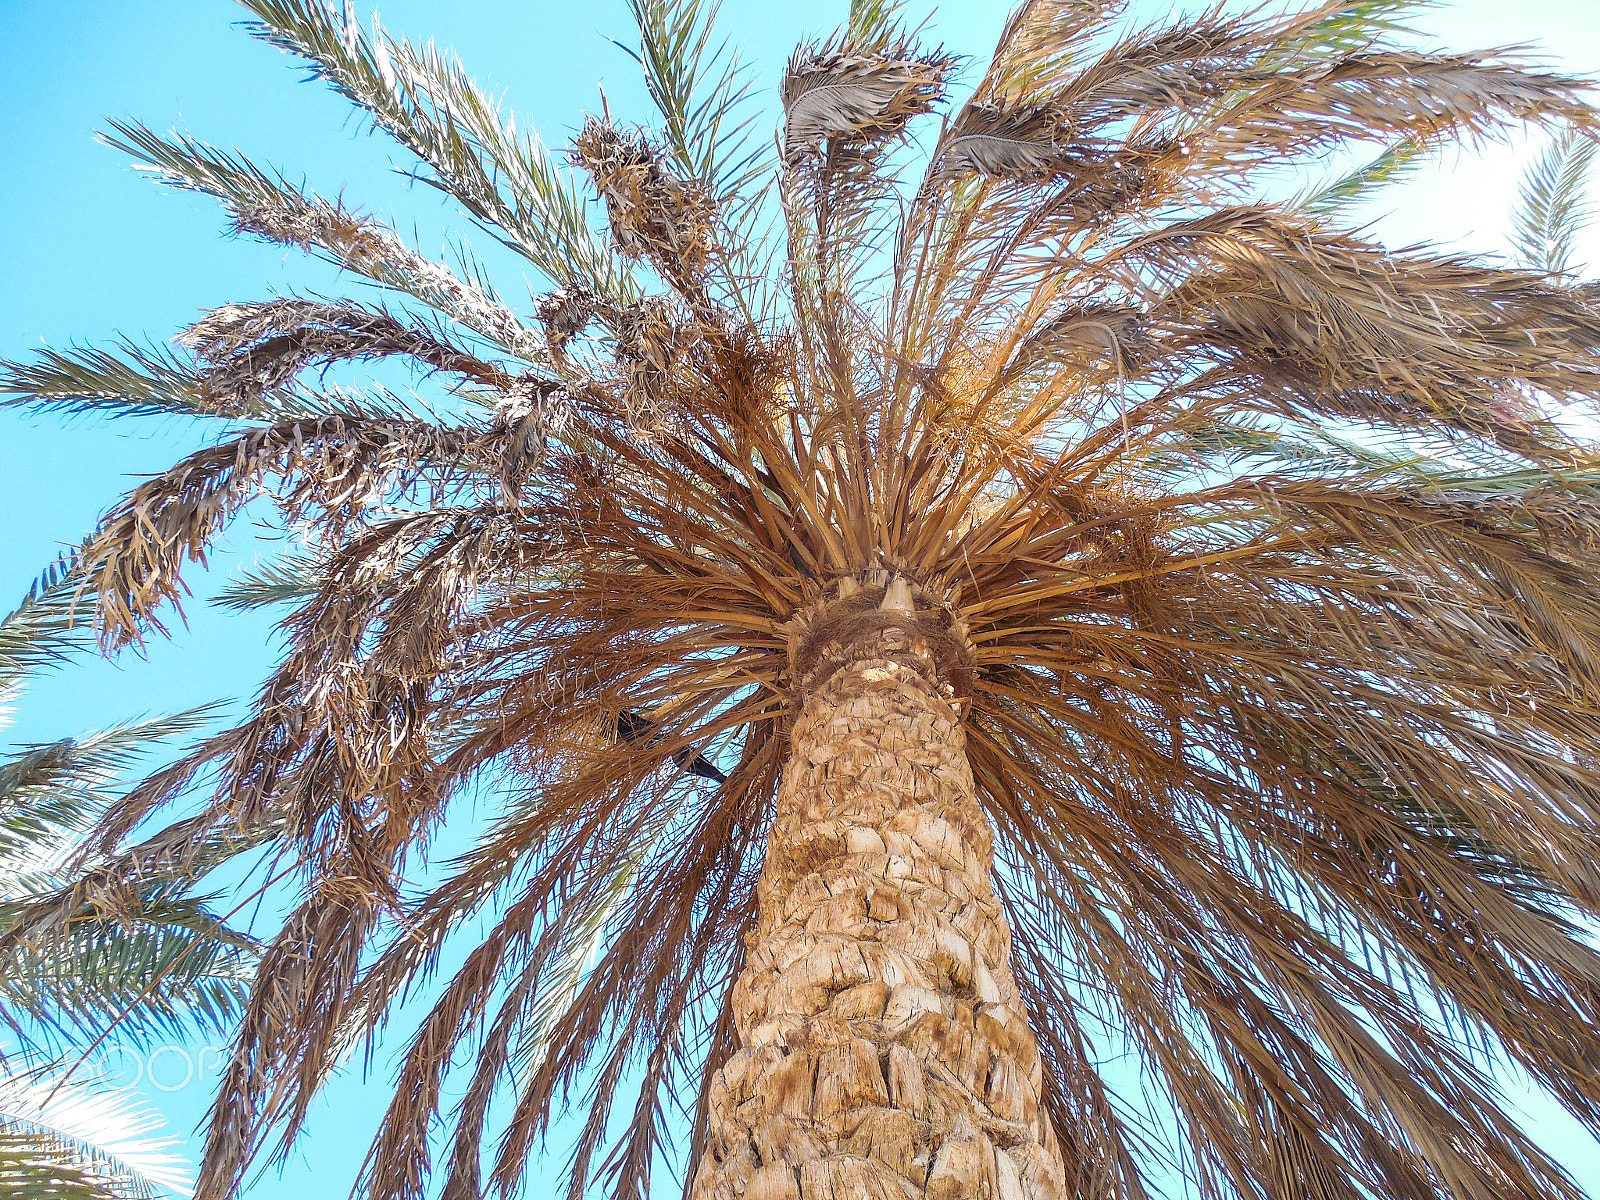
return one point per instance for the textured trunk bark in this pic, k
(883, 1049)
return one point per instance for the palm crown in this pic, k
(1243, 550)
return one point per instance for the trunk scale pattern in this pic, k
(883, 1050)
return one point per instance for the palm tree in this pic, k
(939, 606)
(160, 965)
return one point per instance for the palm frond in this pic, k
(266, 205)
(702, 93)
(49, 793)
(1394, 165)
(140, 380)
(1019, 144)
(47, 626)
(653, 214)
(154, 381)
(159, 963)
(252, 349)
(422, 99)
(698, 87)
(59, 1139)
(167, 969)
(293, 577)
(1551, 204)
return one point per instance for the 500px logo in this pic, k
(162, 1068)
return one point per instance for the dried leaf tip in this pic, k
(853, 96)
(653, 214)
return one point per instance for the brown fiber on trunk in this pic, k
(882, 1047)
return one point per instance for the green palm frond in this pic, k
(158, 961)
(293, 577)
(1352, 27)
(700, 91)
(168, 968)
(145, 380)
(421, 98)
(154, 381)
(51, 793)
(47, 626)
(1394, 165)
(1552, 204)
(162, 962)
(703, 95)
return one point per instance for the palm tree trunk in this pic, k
(883, 1050)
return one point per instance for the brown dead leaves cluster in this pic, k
(652, 214)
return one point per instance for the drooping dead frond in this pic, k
(1346, 325)
(341, 465)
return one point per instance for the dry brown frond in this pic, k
(253, 348)
(835, 94)
(1017, 144)
(653, 215)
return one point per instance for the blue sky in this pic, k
(92, 249)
